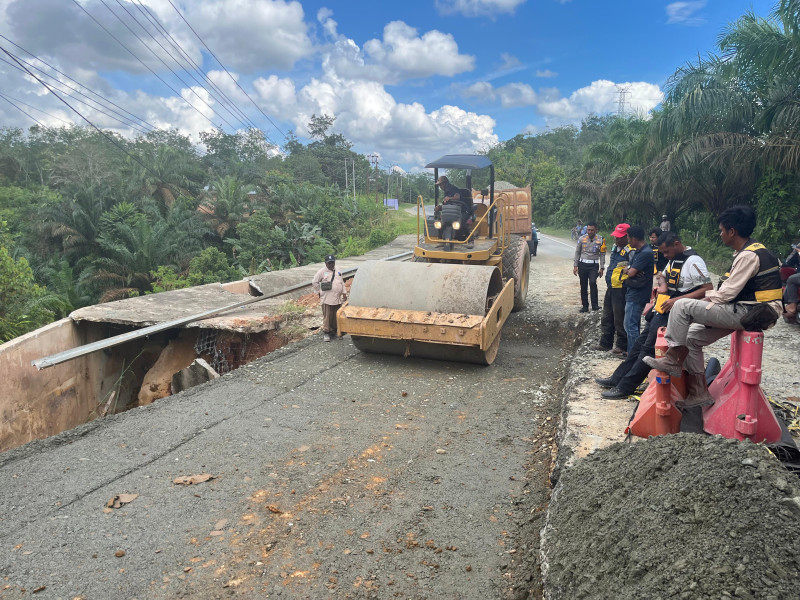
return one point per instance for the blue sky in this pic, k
(409, 80)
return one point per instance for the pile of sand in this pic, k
(679, 516)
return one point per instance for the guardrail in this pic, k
(67, 355)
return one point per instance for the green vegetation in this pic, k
(82, 222)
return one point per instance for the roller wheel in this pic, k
(516, 264)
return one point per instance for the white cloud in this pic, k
(252, 34)
(509, 62)
(510, 95)
(600, 97)
(546, 73)
(369, 116)
(245, 34)
(683, 13)
(475, 8)
(402, 54)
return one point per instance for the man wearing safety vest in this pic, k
(613, 321)
(684, 276)
(753, 281)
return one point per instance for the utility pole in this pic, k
(373, 160)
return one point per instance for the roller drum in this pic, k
(433, 287)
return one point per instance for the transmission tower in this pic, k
(623, 91)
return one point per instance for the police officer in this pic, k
(590, 259)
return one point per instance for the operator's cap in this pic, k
(330, 258)
(620, 230)
(663, 216)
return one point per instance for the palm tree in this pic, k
(728, 117)
(226, 203)
(130, 253)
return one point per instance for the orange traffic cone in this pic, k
(656, 414)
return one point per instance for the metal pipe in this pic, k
(67, 355)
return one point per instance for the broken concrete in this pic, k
(197, 373)
(178, 355)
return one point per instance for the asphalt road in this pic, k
(336, 473)
(554, 246)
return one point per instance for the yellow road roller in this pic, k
(467, 276)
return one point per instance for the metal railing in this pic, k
(67, 355)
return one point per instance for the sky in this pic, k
(408, 80)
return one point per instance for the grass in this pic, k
(555, 231)
(403, 222)
(291, 310)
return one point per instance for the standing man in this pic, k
(639, 284)
(665, 224)
(659, 259)
(685, 276)
(590, 258)
(754, 280)
(614, 302)
(328, 283)
(533, 245)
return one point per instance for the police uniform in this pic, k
(590, 257)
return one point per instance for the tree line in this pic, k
(86, 219)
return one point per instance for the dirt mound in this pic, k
(680, 516)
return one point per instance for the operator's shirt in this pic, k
(591, 251)
(745, 267)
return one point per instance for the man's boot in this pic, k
(671, 362)
(696, 392)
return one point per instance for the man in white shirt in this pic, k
(753, 280)
(328, 283)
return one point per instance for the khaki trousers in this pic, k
(329, 318)
(697, 323)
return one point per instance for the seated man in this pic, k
(685, 276)
(463, 197)
(754, 280)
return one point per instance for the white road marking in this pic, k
(552, 239)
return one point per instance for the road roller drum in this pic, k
(431, 310)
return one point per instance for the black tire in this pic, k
(516, 264)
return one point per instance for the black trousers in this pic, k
(613, 321)
(587, 273)
(633, 370)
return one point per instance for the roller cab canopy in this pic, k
(460, 161)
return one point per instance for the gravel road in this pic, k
(336, 474)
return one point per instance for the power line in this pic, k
(161, 79)
(161, 60)
(73, 109)
(223, 98)
(225, 68)
(34, 108)
(44, 62)
(122, 119)
(30, 116)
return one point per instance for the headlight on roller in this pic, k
(456, 225)
(437, 224)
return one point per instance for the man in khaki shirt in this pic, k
(693, 324)
(328, 283)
